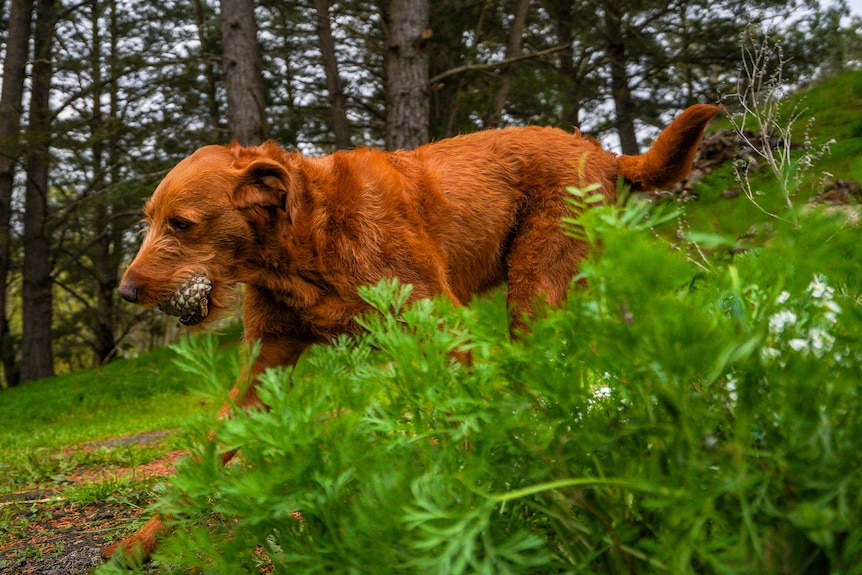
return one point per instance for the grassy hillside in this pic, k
(831, 110)
(81, 454)
(836, 106)
(122, 398)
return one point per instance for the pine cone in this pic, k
(190, 301)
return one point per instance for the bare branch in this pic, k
(494, 65)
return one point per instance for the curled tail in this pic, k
(670, 157)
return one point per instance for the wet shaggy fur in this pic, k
(454, 217)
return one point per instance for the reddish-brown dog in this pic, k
(454, 217)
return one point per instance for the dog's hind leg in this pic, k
(541, 262)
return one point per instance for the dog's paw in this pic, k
(130, 550)
(139, 546)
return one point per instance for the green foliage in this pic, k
(666, 420)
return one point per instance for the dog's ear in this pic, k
(266, 184)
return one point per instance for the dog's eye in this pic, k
(179, 224)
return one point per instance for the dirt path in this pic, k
(51, 535)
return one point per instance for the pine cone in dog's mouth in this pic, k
(190, 301)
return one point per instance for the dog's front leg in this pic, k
(273, 352)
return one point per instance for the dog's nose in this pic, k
(129, 289)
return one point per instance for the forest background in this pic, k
(100, 98)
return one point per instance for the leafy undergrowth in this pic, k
(669, 419)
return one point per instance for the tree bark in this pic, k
(621, 92)
(513, 48)
(561, 12)
(37, 359)
(17, 50)
(334, 88)
(202, 13)
(407, 89)
(105, 263)
(453, 25)
(242, 69)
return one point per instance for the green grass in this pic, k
(125, 397)
(835, 105)
(126, 489)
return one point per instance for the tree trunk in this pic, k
(622, 96)
(407, 60)
(37, 355)
(202, 13)
(458, 38)
(561, 12)
(242, 69)
(17, 50)
(335, 92)
(104, 264)
(513, 48)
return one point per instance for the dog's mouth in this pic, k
(190, 301)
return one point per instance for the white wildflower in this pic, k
(830, 306)
(820, 289)
(780, 320)
(821, 341)
(602, 392)
(770, 353)
(799, 345)
(731, 389)
(782, 297)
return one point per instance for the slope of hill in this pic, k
(828, 110)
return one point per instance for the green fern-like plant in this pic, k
(666, 419)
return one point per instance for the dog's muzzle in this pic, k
(190, 302)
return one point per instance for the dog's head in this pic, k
(204, 226)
